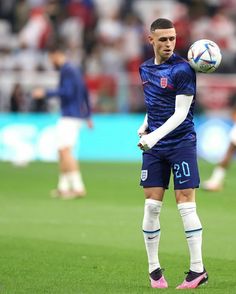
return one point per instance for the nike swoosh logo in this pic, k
(182, 182)
(145, 82)
(150, 238)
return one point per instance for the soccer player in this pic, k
(168, 141)
(216, 181)
(75, 108)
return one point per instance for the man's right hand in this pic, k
(38, 93)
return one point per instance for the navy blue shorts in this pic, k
(157, 167)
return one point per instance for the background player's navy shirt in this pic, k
(161, 84)
(72, 92)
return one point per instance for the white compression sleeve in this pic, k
(143, 127)
(145, 123)
(182, 105)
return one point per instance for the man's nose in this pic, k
(168, 42)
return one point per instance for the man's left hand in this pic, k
(89, 123)
(146, 142)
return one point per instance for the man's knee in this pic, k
(185, 195)
(155, 193)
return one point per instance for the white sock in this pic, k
(193, 232)
(75, 180)
(151, 232)
(218, 175)
(63, 183)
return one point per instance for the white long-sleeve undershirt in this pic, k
(182, 105)
(142, 129)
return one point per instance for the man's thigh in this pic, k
(184, 167)
(67, 132)
(155, 170)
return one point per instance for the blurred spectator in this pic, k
(182, 24)
(27, 59)
(21, 14)
(37, 3)
(6, 10)
(71, 32)
(108, 7)
(110, 28)
(133, 40)
(17, 100)
(105, 87)
(220, 29)
(38, 30)
(102, 86)
(53, 10)
(83, 10)
(132, 48)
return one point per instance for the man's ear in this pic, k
(150, 39)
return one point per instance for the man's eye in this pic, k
(165, 39)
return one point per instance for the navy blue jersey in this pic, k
(161, 84)
(72, 92)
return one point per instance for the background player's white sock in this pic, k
(193, 232)
(63, 183)
(75, 180)
(151, 231)
(218, 175)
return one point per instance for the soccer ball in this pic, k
(204, 56)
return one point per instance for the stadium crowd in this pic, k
(107, 38)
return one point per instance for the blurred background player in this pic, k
(75, 108)
(168, 140)
(216, 181)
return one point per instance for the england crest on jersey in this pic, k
(163, 82)
(144, 174)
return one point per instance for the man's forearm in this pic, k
(183, 103)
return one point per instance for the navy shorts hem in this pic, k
(186, 187)
(153, 186)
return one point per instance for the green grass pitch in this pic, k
(95, 245)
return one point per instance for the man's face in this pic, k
(163, 42)
(54, 57)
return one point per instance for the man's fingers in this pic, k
(140, 134)
(143, 147)
(140, 146)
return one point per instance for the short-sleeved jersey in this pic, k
(72, 92)
(161, 84)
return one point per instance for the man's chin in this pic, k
(166, 56)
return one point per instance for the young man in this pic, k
(75, 108)
(216, 181)
(168, 140)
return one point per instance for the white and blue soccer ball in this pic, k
(204, 56)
